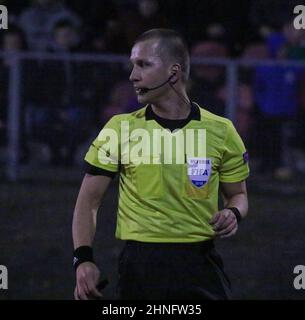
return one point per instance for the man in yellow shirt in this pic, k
(172, 157)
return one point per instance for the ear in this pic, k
(175, 73)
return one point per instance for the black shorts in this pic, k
(172, 271)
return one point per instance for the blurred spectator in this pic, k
(294, 46)
(61, 111)
(271, 13)
(121, 100)
(13, 40)
(94, 13)
(216, 32)
(245, 113)
(275, 42)
(115, 37)
(208, 79)
(135, 20)
(97, 42)
(276, 95)
(247, 116)
(209, 49)
(254, 51)
(65, 37)
(39, 20)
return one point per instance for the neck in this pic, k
(174, 107)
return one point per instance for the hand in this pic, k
(87, 276)
(224, 223)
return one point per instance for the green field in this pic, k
(36, 244)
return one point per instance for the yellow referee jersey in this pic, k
(168, 191)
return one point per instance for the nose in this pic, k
(134, 75)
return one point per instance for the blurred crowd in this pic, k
(65, 103)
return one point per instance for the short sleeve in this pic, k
(234, 164)
(104, 151)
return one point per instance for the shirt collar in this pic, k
(194, 114)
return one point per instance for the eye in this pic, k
(144, 64)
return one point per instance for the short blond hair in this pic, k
(173, 44)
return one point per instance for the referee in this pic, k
(168, 211)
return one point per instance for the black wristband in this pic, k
(82, 254)
(236, 213)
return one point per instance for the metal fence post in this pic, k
(232, 90)
(14, 117)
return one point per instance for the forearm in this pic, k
(84, 224)
(240, 201)
(87, 204)
(83, 231)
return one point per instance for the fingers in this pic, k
(227, 230)
(95, 294)
(79, 294)
(92, 291)
(215, 218)
(76, 294)
(87, 275)
(88, 293)
(82, 287)
(224, 223)
(219, 219)
(230, 233)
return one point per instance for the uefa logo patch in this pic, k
(199, 171)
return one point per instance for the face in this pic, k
(148, 8)
(66, 37)
(148, 71)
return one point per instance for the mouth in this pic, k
(139, 91)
